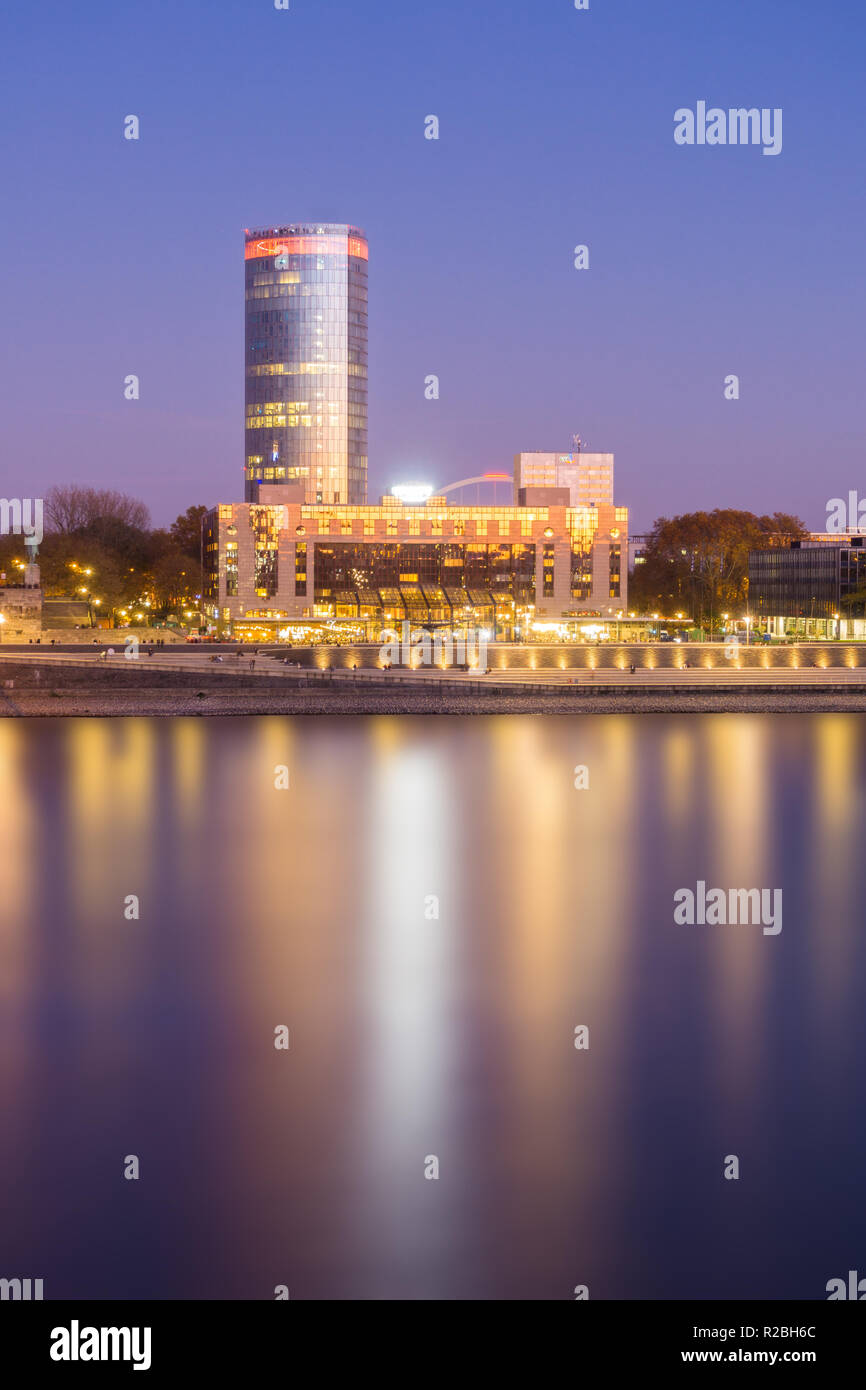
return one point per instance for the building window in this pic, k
(301, 570)
(615, 564)
(231, 569)
(265, 527)
(548, 570)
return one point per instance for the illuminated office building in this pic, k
(588, 477)
(306, 361)
(508, 569)
(812, 588)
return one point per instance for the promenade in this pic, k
(188, 680)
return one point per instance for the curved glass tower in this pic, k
(306, 360)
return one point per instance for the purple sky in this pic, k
(556, 129)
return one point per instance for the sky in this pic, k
(556, 130)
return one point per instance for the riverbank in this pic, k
(192, 683)
(167, 702)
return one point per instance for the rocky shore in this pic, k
(165, 701)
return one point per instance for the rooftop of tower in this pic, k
(304, 229)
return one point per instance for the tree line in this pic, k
(99, 545)
(698, 563)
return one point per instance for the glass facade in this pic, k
(265, 527)
(421, 575)
(852, 581)
(306, 361)
(809, 581)
(581, 572)
(210, 556)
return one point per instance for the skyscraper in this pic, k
(306, 361)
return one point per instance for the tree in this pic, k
(172, 577)
(12, 557)
(699, 562)
(185, 531)
(72, 508)
(130, 544)
(72, 568)
(98, 545)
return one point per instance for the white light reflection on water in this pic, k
(413, 1035)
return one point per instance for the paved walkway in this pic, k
(723, 676)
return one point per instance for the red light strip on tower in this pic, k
(306, 246)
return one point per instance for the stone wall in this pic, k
(21, 609)
(106, 636)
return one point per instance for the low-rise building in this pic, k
(810, 589)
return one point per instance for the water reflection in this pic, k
(432, 907)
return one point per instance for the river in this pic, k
(431, 907)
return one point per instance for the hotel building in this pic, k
(306, 361)
(276, 567)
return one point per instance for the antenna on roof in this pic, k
(576, 443)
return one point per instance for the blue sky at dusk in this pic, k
(556, 129)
